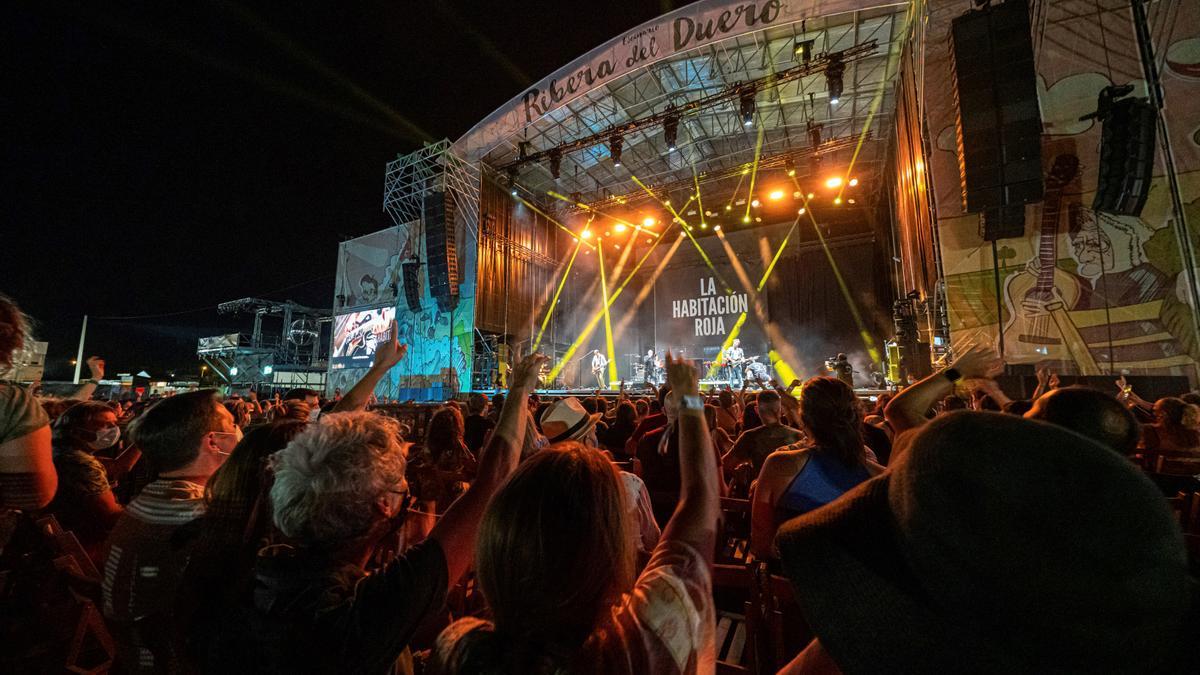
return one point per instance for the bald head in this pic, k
(1089, 412)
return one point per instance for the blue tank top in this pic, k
(823, 479)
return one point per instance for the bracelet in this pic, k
(691, 404)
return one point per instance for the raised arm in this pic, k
(907, 410)
(85, 390)
(387, 354)
(457, 529)
(695, 519)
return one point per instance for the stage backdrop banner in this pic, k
(1118, 300)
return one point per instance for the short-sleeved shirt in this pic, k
(314, 614)
(754, 445)
(20, 413)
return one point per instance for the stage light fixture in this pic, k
(586, 234)
(267, 370)
(837, 201)
(758, 219)
(523, 150)
(703, 225)
(776, 195)
(746, 107)
(810, 195)
(745, 170)
(755, 203)
(608, 233)
(513, 191)
(801, 211)
(849, 201)
(555, 162)
(745, 219)
(853, 182)
(833, 182)
(833, 77)
(671, 131)
(728, 207)
(716, 228)
(797, 195)
(814, 134)
(614, 148)
(233, 370)
(790, 166)
(804, 49)
(620, 227)
(649, 221)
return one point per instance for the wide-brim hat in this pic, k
(996, 544)
(567, 420)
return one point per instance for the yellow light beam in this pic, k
(754, 171)
(587, 331)
(637, 227)
(608, 340)
(558, 291)
(687, 231)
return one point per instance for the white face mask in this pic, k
(105, 439)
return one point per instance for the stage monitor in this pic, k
(355, 336)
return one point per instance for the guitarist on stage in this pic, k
(599, 364)
(735, 359)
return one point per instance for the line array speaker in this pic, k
(439, 214)
(1127, 138)
(998, 124)
(411, 271)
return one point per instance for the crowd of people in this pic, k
(945, 527)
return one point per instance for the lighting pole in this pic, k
(79, 355)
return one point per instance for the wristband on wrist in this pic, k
(691, 404)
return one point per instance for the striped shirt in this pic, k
(143, 570)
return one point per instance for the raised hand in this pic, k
(525, 374)
(1053, 382)
(682, 377)
(390, 351)
(96, 365)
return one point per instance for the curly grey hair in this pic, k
(328, 478)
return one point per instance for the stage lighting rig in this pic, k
(523, 150)
(555, 162)
(804, 49)
(814, 133)
(746, 107)
(614, 148)
(671, 132)
(833, 77)
(790, 165)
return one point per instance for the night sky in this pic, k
(161, 158)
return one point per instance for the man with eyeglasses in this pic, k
(185, 438)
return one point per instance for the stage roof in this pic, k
(689, 56)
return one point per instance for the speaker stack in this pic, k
(439, 215)
(1127, 137)
(998, 124)
(411, 271)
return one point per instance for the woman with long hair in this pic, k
(613, 437)
(27, 476)
(84, 502)
(556, 565)
(444, 442)
(794, 481)
(1175, 431)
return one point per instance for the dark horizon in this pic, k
(169, 159)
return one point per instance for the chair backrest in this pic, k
(733, 542)
(784, 626)
(1177, 466)
(739, 635)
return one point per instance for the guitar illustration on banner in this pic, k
(1039, 322)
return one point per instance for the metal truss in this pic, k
(433, 168)
(712, 138)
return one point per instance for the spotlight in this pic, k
(620, 227)
(755, 203)
(810, 195)
(586, 234)
(833, 182)
(555, 162)
(745, 219)
(523, 150)
(703, 226)
(797, 194)
(758, 219)
(268, 369)
(233, 370)
(649, 221)
(849, 201)
(728, 207)
(837, 201)
(833, 77)
(776, 195)
(853, 182)
(790, 166)
(746, 107)
(716, 228)
(614, 148)
(513, 191)
(801, 211)
(671, 131)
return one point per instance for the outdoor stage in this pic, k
(776, 174)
